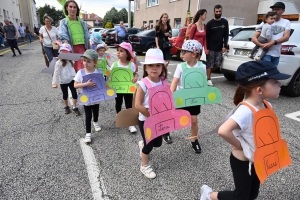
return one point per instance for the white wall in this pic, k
(35, 19)
(10, 9)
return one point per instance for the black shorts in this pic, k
(193, 110)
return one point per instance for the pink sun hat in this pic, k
(66, 47)
(126, 45)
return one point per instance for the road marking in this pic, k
(217, 77)
(97, 185)
(294, 116)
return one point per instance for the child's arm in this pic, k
(56, 74)
(225, 131)
(174, 84)
(139, 98)
(135, 61)
(135, 75)
(89, 83)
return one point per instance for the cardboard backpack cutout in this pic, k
(163, 116)
(121, 80)
(271, 152)
(195, 89)
(51, 68)
(103, 65)
(100, 92)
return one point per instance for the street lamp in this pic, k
(188, 14)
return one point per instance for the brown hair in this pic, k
(243, 91)
(198, 14)
(47, 17)
(64, 62)
(164, 72)
(269, 14)
(67, 4)
(129, 56)
(160, 27)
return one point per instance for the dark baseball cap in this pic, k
(255, 70)
(278, 5)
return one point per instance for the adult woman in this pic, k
(74, 31)
(163, 33)
(48, 35)
(198, 31)
(1, 35)
(28, 35)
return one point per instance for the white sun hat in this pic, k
(154, 56)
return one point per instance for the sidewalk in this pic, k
(20, 42)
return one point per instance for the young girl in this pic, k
(154, 72)
(104, 59)
(257, 81)
(90, 58)
(124, 51)
(64, 73)
(191, 52)
(95, 39)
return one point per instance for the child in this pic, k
(191, 53)
(28, 35)
(95, 39)
(104, 59)
(154, 71)
(265, 35)
(124, 51)
(64, 72)
(90, 58)
(257, 81)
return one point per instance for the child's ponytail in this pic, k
(239, 95)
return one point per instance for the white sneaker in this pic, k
(209, 83)
(97, 126)
(205, 191)
(141, 145)
(3, 45)
(147, 171)
(88, 138)
(132, 129)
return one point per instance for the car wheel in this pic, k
(229, 77)
(151, 46)
(293, 88)
(178, 56)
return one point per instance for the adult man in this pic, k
(280, 33)
(11, 35)
(217, 31)
(21, 30)
(121, 32)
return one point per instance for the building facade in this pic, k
(147, 12)
(92, 19)
(9, 9)
(28, 13)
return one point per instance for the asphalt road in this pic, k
(42, 156)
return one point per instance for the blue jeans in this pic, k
(273, 60)
(1, 40)
(50, 53)
(120, 39)
(28, 36)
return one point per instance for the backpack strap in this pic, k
(82, 72)
(164, 82)
(200, 63)
(249, 106)
(99, 70)
(147, 83)
(184, 66)
(116, 64)
(129, 65)
(268, 105)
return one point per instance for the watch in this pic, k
(275, 42)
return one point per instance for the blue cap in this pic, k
(96, 38)
(255, 70)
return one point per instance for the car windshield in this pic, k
(175, 32)
(244, 35)
(144, 33)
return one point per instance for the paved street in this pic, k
(42, 156)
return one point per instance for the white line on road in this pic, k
(97, 185)
(294, 116)
(217, 77)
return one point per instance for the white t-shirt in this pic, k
(63, 74)
(266, 31)
(46, 40)
(22, 29)
(277, 30)
(179, 70)
(126, 66)
(146, 97)
(78, 78)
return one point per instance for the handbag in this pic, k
(54, 45)
(167, 44)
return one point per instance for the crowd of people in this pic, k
(257, 80)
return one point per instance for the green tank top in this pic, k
(184, 66)
(76, 29)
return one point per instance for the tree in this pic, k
(115, 16)
(123, 15)
(56, 15)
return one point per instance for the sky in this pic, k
(99, 7)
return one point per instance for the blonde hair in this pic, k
(47, 17)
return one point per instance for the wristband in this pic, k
(275, 42)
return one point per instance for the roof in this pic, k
(91, 17)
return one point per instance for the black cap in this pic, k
(255, 70)
(278, 5)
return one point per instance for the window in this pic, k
(244, 35)
(177, 22)
(145, 24)
(173, 0)
(138, 4)
(4, 13)
(7, 14)
(151, 3)
(0, 12)
(151, 23)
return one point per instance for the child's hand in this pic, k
(90, 83)
(54, 86)
(134, 79)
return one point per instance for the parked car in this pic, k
(92, 30)
(103, 34)
(240, 47)
(110, 38)
(143, 40)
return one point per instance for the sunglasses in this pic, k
(184, 52)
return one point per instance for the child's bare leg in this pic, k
(145, 159)
(66, 103)
(214, 195)
(194, 127)
(74, 101)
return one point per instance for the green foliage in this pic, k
(114, 16)
(108, 25)
(54, 13)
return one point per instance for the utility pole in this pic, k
(129, 13)
(188, 14)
